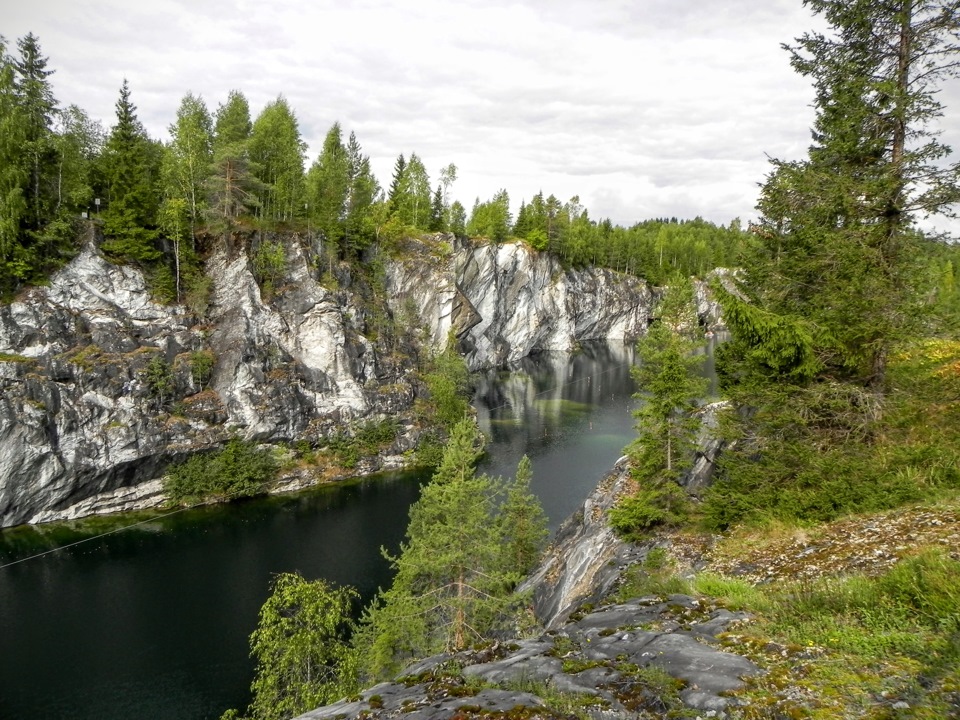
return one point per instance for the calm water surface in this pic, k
(153, 622)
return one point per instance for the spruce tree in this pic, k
(670, 385)
(670, 388)
(39, 110)
(832, 282)
(131, 166)
(393, 195)
(231, 188)
(523, 523)
(14, 177)
(437, 213)
(364, 191)
(450, 588)
(837, 243)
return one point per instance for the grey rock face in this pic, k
(79, 426)
(586, 556)
(507, 301)
(596, 656)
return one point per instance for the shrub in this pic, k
(159, 377)
(238, 470)
(269, 263)
(201, 366)
(663, 503)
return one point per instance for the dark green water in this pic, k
(153, 622)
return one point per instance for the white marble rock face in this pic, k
(79, 430)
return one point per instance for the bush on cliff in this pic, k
(238, 470)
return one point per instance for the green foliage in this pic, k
(269, 265)
(369, 439)
(159, 377)
(491, 219)
(447, 381)
(654, 578)
(190, 157)
(341, 191)
(826, 449)
(451, 588)
(656, 249)
(45, 157)
(201, 366)
(197, 293)
(835, 279)
(662, 502)
(300, 645)
(131, 167)
(232, 122)
(458, 219)
(769, 345)
(523, 524)
(836, 244)
(409, 198)
(276, 153)
(671, 387)
(328, 188)
(238, 470)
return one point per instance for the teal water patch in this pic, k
(560, 406)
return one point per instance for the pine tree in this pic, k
(232, 124)
(131, 168)
(523, 523)
(450, 587)
(231, 189)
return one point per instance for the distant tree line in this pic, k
(163, 204)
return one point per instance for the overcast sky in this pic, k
(643, 108)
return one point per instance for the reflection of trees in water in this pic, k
(551, 394)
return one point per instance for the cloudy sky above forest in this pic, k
(644, 109)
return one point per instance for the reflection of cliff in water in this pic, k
(551, 393)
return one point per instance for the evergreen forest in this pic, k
(841, 376)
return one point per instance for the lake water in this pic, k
(153, 622)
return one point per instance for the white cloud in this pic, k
(659, 108)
